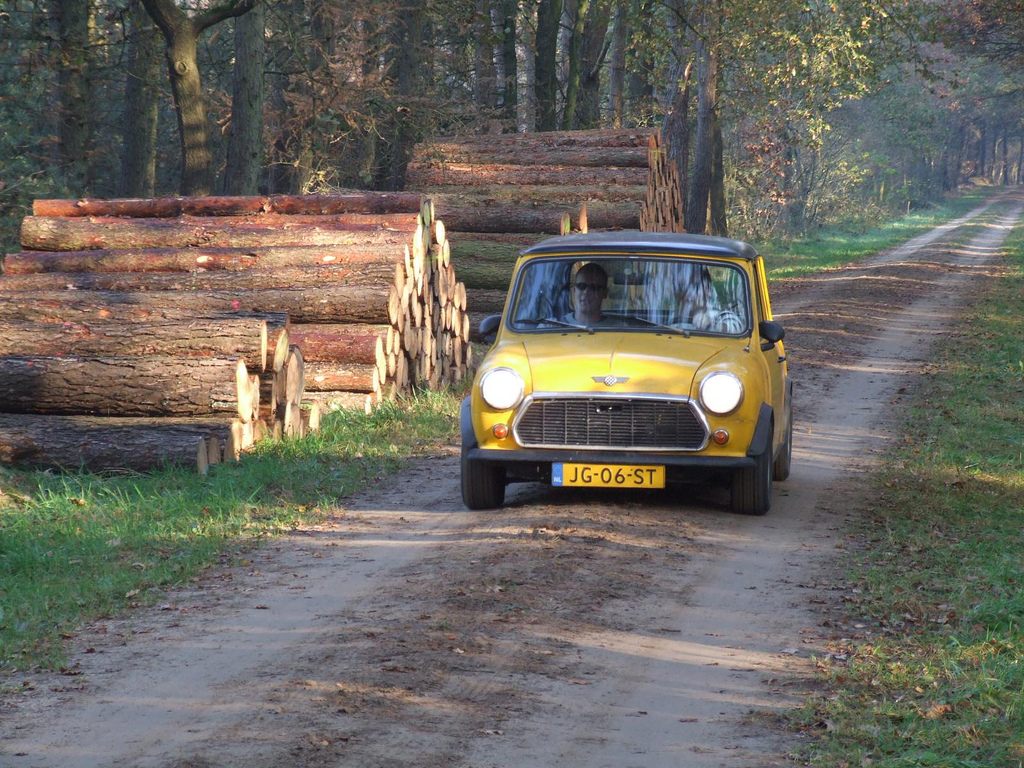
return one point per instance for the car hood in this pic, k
(619, 362)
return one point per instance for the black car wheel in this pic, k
(783, 462)
(752, 486)
(483, 484)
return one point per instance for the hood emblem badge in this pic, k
(609, 380)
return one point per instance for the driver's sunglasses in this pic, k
(581, 287)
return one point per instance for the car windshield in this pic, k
(637, 292)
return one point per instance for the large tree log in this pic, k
(601, 215)
(74, 442)
(376, 247)
(429, 176)
(329, 304)
(603, 137)
(331, 377)
(335, 343)
(482, 264)
(484, 301)
(74, 307)
(536, 196)
(515, 154)
(370, 274)
(507, 218)
(244, 337)
(78, 234)
(334, 401)
(518, 239)
(165, 207)
(122, 386)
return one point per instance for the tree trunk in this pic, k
(245, 138)
(126, 386)
(510, 83)
(78, 234)
(676, 132)
(141, 110)
(588, 109)
(719, 225)
(703, 153)
(406, 68)
(485, 87)
(617, 65)
(182, 35)
(236, 337)
(575, 56)
(99, 444)
(549, 14)
(75, 101)
(516, 218)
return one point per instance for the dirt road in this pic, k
(570, 628)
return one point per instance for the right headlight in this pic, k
(721, 392)
(502, 388)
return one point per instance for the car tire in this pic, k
(483, 484)
(752, 486)
(783, 462)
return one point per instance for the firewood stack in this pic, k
(149, 322)
(501, 193)
(663, 207)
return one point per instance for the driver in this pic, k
(589, 288)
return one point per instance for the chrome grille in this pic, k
(606, 422)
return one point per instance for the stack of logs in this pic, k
(129, 328)
(501, 193)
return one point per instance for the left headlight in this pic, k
(502, 388)
(721, 392)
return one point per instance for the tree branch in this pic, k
(218, 13)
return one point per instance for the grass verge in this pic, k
(836, 246)
(81, 546)
(937, 678)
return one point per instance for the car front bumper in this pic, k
(529, 464)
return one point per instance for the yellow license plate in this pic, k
(608, 475)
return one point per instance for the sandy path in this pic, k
(571, 628)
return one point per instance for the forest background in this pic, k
(784, 115)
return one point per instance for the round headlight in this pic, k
(721, 392)
(502, 388)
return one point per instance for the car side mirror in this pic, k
(771, 334)
(489, 327)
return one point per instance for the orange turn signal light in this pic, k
(500, 431)
(720, 436)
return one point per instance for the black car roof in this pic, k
(633, 241)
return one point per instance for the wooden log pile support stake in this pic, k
(249, 316)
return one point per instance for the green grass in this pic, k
(938, 573)
(836, 246)
(80, 546)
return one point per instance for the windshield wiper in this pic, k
(661, 326)
(552, 321)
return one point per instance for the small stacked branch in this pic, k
(503, 193)
(356, 292)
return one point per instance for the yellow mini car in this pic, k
(631, 360)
